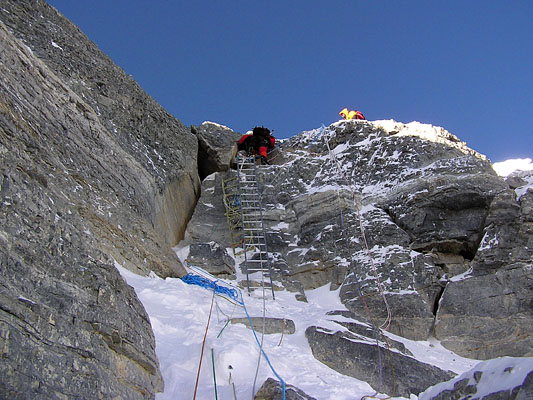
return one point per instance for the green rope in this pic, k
(214, 375)
(222, 330)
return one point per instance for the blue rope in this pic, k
(261, 347)
(193, 279)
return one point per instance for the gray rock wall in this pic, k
(163, 147)
(92, 170)
(449, 244)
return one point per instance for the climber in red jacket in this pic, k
(259, 142)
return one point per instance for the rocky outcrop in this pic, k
(217, 145)
(385, 369)
(395, 215)
(385, 211)
(272, 390)
(505, 378)
(92, 172)
(268, 325)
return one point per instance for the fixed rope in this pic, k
(387, 322)
(203, 344)
(193, 279)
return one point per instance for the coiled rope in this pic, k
(193, 279)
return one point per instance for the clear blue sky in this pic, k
(292, 65)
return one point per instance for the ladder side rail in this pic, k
(239, 174)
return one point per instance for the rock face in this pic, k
(416, 229)
(412, 227)
(92, 171)
(163, 149)
(217, 147)
(386, 370)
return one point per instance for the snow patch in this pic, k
(505, 168)
(499, 374)
(54, 44)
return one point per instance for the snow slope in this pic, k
(179, 315)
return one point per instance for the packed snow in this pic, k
(519, 167)
(505, 168)
(179, 315)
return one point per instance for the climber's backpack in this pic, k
(261, 131)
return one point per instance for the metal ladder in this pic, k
(256, 254)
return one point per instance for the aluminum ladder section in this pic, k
(256, 254)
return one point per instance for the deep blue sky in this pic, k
(292, 65)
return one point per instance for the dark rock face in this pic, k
(92, 170)
(488, 313)
(213, 258)
(447, 216)
(357, 356)
(272, 390)
(217, 147)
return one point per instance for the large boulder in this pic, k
(272, 390)
(387, 370)
(217, 145)
(213, 258)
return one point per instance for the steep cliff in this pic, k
(93, 171)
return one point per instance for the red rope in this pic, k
(203, 343)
